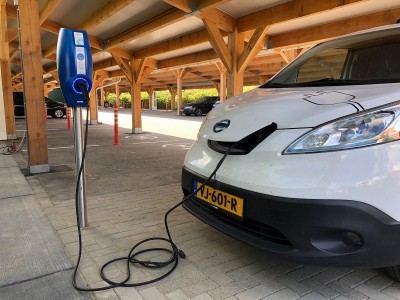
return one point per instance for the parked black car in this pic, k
(199, 108)
(54, 108)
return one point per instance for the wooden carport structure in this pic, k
(166, 44)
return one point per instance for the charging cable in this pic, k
(133, 253)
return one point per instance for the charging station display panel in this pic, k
(75, 66)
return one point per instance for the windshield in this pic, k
(367, 58)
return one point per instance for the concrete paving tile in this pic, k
(379, 282)
(284, 294)
(332, 274)
(227, 290)
(177, 295)
(128, 294)
(344, 290)
(372, 293)
(217, 275)
(294, 285)
(254, 293)
(306, 272)
(152, 294)
(392, 292)
(13, 183)
(313, 296)
(358, 277)
(317, 286)
(106, 295)
(203, 296)
(199, 288)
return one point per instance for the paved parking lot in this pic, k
(131, 186)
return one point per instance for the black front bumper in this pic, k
(326, 232)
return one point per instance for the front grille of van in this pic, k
(260, 230)
(245, 145)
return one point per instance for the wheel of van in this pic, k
(198, 112)
(58, 113)
(394, 272)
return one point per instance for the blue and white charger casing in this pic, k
(75, 66)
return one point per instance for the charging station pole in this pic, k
(75, 68)
(78, 139)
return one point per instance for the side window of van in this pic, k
(374, 63)
(326, 65)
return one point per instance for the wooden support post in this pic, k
(179, 74)
(117, 94)
(32, 70)
(136, 108)
(172, 90)
(98, 78)
(235, 78)
(135, 70)
(222, 81)
(235, 56)
(102, 97)
(149, 91)
(5, 70)
(289, 55)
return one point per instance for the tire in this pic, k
(394, 272)
(187, 114)
(198, 112)
(58, 113)
(106, 105)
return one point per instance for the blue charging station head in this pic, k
(75, 66)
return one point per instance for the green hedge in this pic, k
(163, 97)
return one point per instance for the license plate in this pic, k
(220, 199)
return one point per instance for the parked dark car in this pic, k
(54, 108)
(199, 108)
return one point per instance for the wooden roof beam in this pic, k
(167, 18)
(288, 11)
(105, 12)
(189, 59)
(206, 10)
(185, 41)
(313, 35)
(47, 10)
(55, 27)
(164, 19)
(180, 4)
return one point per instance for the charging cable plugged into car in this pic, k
(75, 69)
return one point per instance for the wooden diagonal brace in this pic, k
(218, 43)
(253, 47)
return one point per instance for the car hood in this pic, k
(304, 107)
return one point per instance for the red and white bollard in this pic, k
(68, 118)
(45, 111)
(116, 142)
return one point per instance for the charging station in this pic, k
(74, 63)
(75, 67)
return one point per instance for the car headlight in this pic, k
(354, 131)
